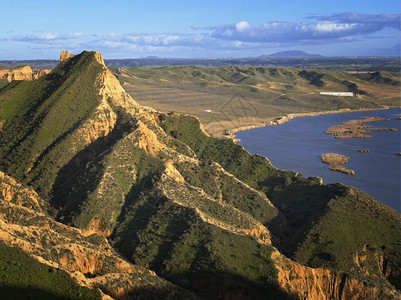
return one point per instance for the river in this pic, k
(298, 145)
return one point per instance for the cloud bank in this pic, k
(43, 37)
(335, 28)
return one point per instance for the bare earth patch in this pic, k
(336, 162)
(356, 128)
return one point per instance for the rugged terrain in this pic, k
(21, 73)
(129, 202)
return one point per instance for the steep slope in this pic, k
(69, 257)
(200, 212)
(318, 225)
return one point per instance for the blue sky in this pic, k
(204, 28)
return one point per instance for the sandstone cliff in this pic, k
(65, 55)
(22, 73)
(88, 258)
(315, 283)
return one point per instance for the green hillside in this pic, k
(200, 212)
(39, 115)
(23, 277)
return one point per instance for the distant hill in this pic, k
(150, 57)
(292, 53)
(371, 64)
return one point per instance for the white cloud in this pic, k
(242, 26)
(242, 35)
(375, 22)
(44, 37)
(334, 28)
(229, 38)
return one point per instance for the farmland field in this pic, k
(226, 98)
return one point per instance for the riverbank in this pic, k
(230, 133)
(299, 144)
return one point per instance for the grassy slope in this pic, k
(22, 277)
(283, 188)
(308, 227)
(178, 245)
(356, 225)
(40, 114)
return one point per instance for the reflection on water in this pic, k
(298, 144)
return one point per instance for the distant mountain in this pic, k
(150, 57)
(292, 53)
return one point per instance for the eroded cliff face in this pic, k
(88, 258)
(303, 282)
(22, 73)
(93, 263)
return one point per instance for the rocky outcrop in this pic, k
(307, 283)
(65, 55)
(22, 73)
(38, 73)
(87, 258)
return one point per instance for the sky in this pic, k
(40, 29)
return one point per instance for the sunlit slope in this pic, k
(201, 212)
(42, 258)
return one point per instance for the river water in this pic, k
(298, 145)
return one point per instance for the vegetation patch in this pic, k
(22, 277)
(313, 77)
(359, 244)
(353, 87)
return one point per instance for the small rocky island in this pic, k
(356, 128)
(336, 162)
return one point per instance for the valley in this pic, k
(226, 99)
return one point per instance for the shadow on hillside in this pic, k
(11, 292)
(70, 176)
(226, 285)
(300, 205)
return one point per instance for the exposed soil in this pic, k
(356, 128)
(336, 162)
